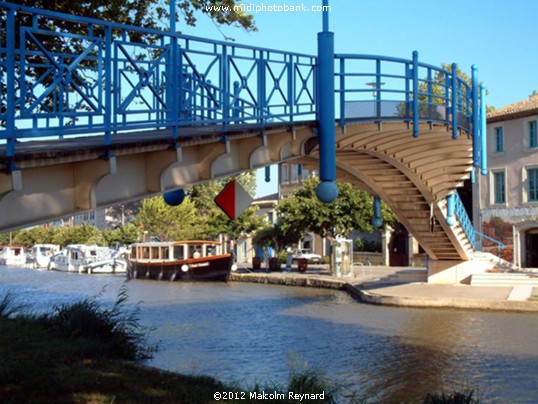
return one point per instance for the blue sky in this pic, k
(499, 36)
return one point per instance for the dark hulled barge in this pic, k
(194, 260)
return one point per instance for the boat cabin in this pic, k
(174, 251)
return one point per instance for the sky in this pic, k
(499, 36)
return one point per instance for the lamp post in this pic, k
(376, 93)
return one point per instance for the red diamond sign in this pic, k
(233, 199)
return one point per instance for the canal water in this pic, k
(249, 332)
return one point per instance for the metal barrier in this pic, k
(470, 231)
(380, 88)
(103, 78)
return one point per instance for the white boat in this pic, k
(13, 256)
(40, 255)
(90, 259)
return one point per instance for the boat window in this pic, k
(133, 252)
(178, 252)
(195, 251)
(154, 252)
(164, 252)
(145, 252)
(211, 250)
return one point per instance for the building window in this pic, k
(499, 187)
(294, 172)
(499, 140)
(284, 174)
(270, 217)
(533, 136)
(533, 184)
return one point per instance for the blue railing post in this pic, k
(173, 70)
(236, 106)
(378, 88)
(451, 209)
(342, 92)
(454, 101)
(108, 81)
(483, 132)
(10, 88)
(415, 94)
(476, 115)
(291, 87)
(225, 93)
(327, 190)
(377, 220)
(261, 90)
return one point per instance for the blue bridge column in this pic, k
(377, 221)
(483, 132)
(327, 190)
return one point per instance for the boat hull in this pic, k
(203, 269)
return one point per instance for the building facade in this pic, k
(506, 199)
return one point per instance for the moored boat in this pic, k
(89, 259)
(40, 255)
(193, 260)
(13, 255)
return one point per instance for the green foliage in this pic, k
(169, 222)
(127, 234)
(8, 307)
(147, 13)
(353, 209)
(277, 236)
(367, 245)
(116, 331)
(81, 234)
(456, 397)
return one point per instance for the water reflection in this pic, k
(248, 332)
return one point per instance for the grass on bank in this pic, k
(85, 353)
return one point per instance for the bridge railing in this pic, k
(86, 76)
(101, 77)
(378, 88)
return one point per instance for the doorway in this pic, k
(531, 248)
(399, 247)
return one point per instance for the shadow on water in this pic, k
(249, 332)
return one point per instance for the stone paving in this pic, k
(373, 285)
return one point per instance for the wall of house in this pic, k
(508, 221)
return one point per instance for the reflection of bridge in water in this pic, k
(108, 113)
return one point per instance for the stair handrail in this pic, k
(465, 221)
(470, 231)
(500, 244)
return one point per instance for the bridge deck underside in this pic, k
(412, 175)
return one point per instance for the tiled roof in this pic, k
(267, 198)
(518, 109)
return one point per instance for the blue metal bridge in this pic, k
(97, 96)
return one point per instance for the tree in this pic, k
(81, 234)
(148, 13)
(169, 222)
(126, 234)
(277, 237)
(353, 209)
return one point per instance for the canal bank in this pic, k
(401, 287)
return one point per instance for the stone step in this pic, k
(505, 279)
